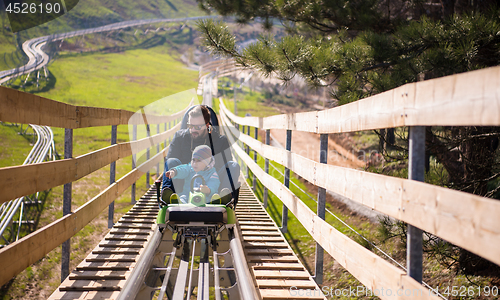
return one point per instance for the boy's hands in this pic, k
(170, 174)
(205, 189)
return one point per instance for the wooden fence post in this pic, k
(68, 153)
(165, 141)
(240, 162)
(323, 157)
(416, 171)
(235, 108)
(148, 154)
(170, 138)
(284, 215)
(158, 150)
(254, 183)
(266, 166)
(248, 149)
(112, 178)
(134, 156)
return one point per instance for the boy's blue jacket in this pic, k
(186, 172)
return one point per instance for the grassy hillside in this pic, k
(91, 13)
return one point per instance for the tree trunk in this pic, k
(381, 145)
(448, 8)
(391, 138)
(478, 157)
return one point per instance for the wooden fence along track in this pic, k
(466, 220)
(104, 272)
(277, 271)
(20, 107)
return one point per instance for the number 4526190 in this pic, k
(462, 291)
(33, 8)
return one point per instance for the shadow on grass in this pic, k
(4, 290)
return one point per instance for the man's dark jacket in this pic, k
(182, 147)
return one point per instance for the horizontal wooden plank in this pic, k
(466, 99)
(257, 218)
(105, 256)
(130, 231)
(125, 238)
(276, 266)
(247, 121)
(249, 245)
(97, 277)
(285, 284)
(268, 251)
(89, 288)
(259, 258)
(259, 227)
(253, 238)
(132, 216)
(255, 222)
(135, 221)
(285, 294)
(114, 244)
(125, 252)
(104, 268)
(215, 66)
(260, 233)
(20, 107)
(110, 259)
(283, 274)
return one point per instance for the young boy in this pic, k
(202, 163)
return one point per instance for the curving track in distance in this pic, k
(39, 59)
(15, 209)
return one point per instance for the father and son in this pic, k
(199, 150)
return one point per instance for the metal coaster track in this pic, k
(143, 262)
(43, 148)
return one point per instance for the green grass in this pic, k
(15, 147)
(8, 57)
(248, 101)
(128, 80)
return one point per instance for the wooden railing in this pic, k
(19, 107)
(218, 68)
(466, 220)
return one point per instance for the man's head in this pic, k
(199, 118)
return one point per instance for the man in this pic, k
(186, 140)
